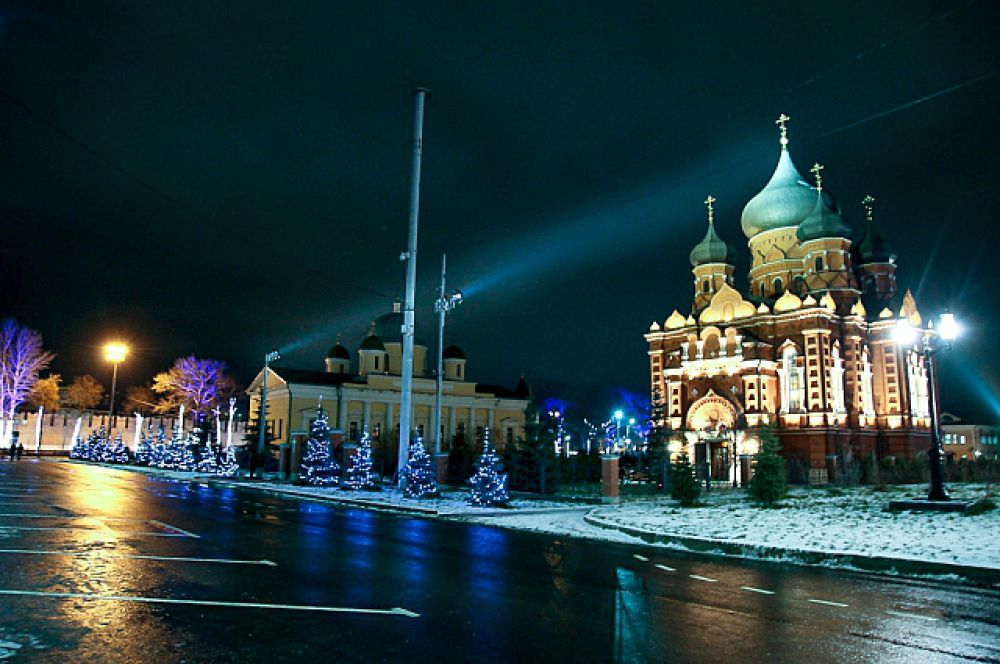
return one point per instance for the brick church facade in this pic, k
(808, 349)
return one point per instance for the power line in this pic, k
(176, 202)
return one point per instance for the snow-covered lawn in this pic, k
(845, 521)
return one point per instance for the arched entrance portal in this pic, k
(713, 419)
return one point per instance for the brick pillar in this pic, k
(609, 478)
(441, 463)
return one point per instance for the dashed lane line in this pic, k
(917, 616)
(828, 603)
(698, 577)
(397, 611)
(642, 558)
(179, 559)
(665, 568)
(186, 533)
(751, 589)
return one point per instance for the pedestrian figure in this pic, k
(12, 450)
(20, 451)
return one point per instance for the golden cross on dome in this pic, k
(711, 210)
(867, 202)
(781, 122)
(817, 171)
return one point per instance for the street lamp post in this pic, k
(906, 335)
(618, 428)
(115, 353)
(442, 306)
(262, 411)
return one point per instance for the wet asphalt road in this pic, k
(87, 556)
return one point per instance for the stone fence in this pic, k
(57, 428)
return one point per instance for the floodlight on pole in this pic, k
(442, 306)
(273, 356)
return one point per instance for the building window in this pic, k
(354, 431)
(704, 286)
(819, 263)
(510, 435)
(376, 363)
(778, 287)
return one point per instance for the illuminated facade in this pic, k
(809, 348)
(367, 391)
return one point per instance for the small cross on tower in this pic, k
(711, 210)
(817, 171)
(781, 122)
(867, 202)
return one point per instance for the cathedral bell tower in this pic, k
(712, 262)
(826, 250)
(876, 261)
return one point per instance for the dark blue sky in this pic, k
(207, 180)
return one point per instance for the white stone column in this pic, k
(389, 424)
(367, 416)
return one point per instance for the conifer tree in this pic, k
(97, 445)
(227, 465)
(158, 449)
(80, 449)
(144, 450)
(117, 452)
(767, 486)
(684, 485)
(173, 453)
(361, 475)
(208, 461)
(489, 484)
(320, 467)
(419, 476)
(189, 461)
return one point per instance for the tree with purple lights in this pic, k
(321, 469)
(197, 384)
(21, 358)
(489, 484)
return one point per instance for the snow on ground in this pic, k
(845, 521)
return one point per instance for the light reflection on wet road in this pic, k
(270, 579)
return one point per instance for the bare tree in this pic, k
(45, 393)
(139, 399)
(21, 358)
(198, 385)
(84, 393)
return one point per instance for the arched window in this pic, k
(376, 363)
(819, 263)
(778, 287)
(704, 286)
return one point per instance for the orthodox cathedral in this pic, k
(808, 349)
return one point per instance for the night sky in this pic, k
(224, 178)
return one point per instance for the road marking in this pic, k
(702, 578)
(665, 568)
(181, 531)
(757, 590)
(195, 602)
(642, 558)
(827, 603)
(180, 559)
(124, 533)
(912, 615)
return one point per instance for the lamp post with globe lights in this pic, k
(273, 356)
(906, 335)
(442, 305)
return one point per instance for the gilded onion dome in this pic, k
(712, 248)
(785, 201)
(822, 221)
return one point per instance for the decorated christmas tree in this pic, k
(189, 460)
(80, 449)
(173, 453)
(419, 476)
(208, 461)
(361, 475)
(227, 465)
(489, 484)
(117, 452)
(97, 445)
(320, 467)
(158, 449)
(144, 450)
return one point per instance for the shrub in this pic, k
(683, 483)
(981, 506)
(768, 484)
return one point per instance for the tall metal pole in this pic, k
(262, 417)
(935, 455)
(442, 309)
(114, 385)
(406, 400)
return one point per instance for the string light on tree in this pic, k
(420, 478)
(489, 484)
(360, 475)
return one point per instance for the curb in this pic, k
(980, 576)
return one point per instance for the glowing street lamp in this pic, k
(442, 305)
(273, 356)
(905, 334)
(114, 352)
